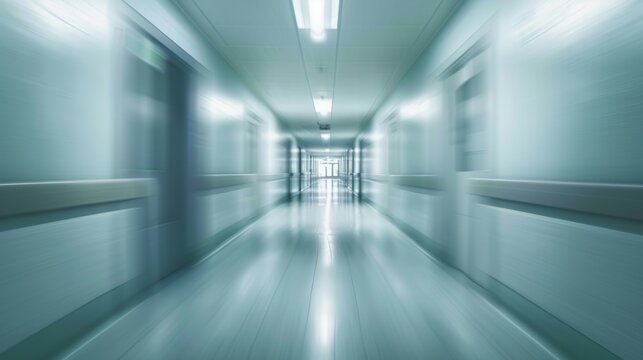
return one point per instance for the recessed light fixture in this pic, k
(323, 106)
(316, 15)
(324, 130)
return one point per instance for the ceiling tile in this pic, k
(364, 71)
(387, 13)
(255, 13)
(277, 70)
(244, 36)
(399, 36)
(370, 54)
(265, 53)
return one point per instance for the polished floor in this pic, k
(321, 277)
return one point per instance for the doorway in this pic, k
(153, 140)
(468, 102)
(329, 167)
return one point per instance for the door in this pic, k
(299, 168)
(468, 96)
(288, 168)
(153, 142)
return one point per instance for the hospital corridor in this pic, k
(321, 179)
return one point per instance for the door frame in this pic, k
(457, 232)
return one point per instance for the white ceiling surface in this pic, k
(358, 64)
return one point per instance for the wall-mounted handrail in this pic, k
(208, 182)
(215, 181)
(418, 181)
(273, 177)
(432, 182)
(25, 198)
(376, 177)
(616, 200)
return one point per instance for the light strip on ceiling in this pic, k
(299, 14)
(323, 106)
(317, 16)
(316, 11)
(325, 135)
(334, 14)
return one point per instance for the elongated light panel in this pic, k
(323, 106)
(316, 15)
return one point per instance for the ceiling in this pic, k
(357, 65)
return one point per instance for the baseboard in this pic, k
(421, 240)
(62, 333)
(566, 339)
(220, 239)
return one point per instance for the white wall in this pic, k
(55, 93)
(56, 86)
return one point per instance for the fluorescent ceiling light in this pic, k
(327, 150)
(316, 10)
(334, 14)
(325, 135)
(316, 15)
(299, 15)
(323, 106)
